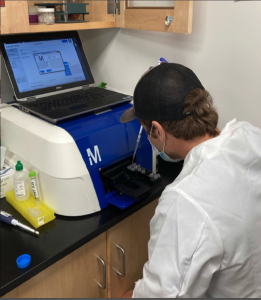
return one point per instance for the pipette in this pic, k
(9, 219)
(161, 60)
(137, 143)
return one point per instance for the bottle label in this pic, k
(19, 188)
(34, 187)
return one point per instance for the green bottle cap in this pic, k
(19, 166)
(32, 174)
(102, 85)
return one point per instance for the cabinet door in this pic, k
(14, 17)
(153, 18)
(75, 276)
(132, 236)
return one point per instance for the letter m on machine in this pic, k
(93, 158)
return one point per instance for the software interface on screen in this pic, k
(43, 64)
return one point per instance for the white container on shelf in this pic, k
(33, 14)
(46, 15)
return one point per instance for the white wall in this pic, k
(224, 51)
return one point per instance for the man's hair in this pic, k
(202, 118)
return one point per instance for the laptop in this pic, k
(51, 76)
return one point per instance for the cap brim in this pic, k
(128, 116)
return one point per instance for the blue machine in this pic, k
(107, 147)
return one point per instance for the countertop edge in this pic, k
(42, 266)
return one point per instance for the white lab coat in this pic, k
(205, 236)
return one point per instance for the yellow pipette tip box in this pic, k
(44, 213)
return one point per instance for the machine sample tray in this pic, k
(130, 179)
(22, 208)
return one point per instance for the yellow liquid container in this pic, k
(26, 209)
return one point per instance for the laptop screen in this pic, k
(43, 64)
(38, 64)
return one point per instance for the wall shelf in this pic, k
(71, 26)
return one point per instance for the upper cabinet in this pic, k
(166, 16)
(15, 18)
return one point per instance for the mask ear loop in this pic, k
(164, 143)
(164, 140)
(154, 148)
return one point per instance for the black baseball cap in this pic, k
(160, 93)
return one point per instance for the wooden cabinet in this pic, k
(154, 18)
(14, 17)
(91, 270)
(127, 251)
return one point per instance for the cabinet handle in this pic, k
(123, 254)
(104, 273)
(168, 20)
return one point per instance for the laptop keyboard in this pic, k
(64, 100)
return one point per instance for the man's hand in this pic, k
(128, 294)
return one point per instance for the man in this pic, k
(205, 236)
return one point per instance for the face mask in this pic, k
(162, 154)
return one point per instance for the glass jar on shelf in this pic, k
(46, 16)
(65, 10)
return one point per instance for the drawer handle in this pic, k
(123, 254)
(104, 273)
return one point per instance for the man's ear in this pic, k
(158, 131)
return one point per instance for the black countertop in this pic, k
(59, 237)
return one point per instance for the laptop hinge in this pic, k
(113, 6)
(85, 87)
(30, 99)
